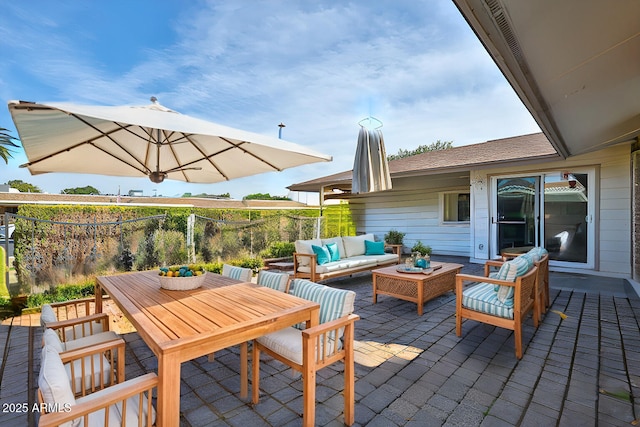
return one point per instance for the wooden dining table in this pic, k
(182, 325)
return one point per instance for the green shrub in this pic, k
(171, 247)
(394, 237)
(62, 293)
(279, 250)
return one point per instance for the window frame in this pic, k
(442, 207)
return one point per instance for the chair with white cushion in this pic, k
(73, 319)
(238, 273)
(127, 403)
(273, 280)
(311, 349)
(91, 363)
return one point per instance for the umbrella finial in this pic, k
(154, 99)
(281, 125)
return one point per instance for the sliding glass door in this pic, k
(552, 209)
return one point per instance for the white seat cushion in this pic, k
(90, 340)
(83, 330)
(288, 343)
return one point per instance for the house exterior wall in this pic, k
(413, 207)
(612, 205)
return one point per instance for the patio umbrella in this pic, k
(150, 140)
(370, 167)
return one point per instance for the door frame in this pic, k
(539, 215)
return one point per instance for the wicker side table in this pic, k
(417, 287)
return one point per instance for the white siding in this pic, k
(413, 207)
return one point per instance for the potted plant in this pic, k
(394, 237)
(420, 247)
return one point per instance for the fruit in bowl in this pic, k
(181, 278)
(181, 271)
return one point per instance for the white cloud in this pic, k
(318, 67)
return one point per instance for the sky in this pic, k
(319, 67)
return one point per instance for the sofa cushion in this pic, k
(339, 243)
(354, 245)
(343, 264)
(483, 298)
(322, 254)
(304, 247)
(373, 248)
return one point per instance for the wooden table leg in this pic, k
(168, 391)
(375, 287)
(308, 385)
(244, 370)
(98, 296)
(420, 285)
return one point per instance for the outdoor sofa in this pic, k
(322, 259)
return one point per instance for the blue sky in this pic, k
(319, 67)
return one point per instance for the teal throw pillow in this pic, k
(373, 248)
(333, 250)
(322, 254)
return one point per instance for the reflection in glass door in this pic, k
(567, 217)
(516, 211)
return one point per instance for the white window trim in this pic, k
(441, 196)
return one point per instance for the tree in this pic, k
(81, 190)
(434, 146)
(23, 187)
(264, 196)
(6, 141)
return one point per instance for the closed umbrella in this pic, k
(370, 166)
(150, 140)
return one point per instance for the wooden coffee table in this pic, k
(415, 287)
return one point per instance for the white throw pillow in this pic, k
(54, 382)
(354, 245)
(47, 315)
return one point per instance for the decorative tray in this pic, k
(413, 270)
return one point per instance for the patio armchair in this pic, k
(73, 319)
(311, 349)
(90, 364)
(541, 260)
(503, 299)
(127, 403)
(238, 273)
(273, 280)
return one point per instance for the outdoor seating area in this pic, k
(408, 369)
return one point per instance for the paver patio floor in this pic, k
(412, 370)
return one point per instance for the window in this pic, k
(456, 207)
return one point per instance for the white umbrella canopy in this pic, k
(370, 166)
(151, 140)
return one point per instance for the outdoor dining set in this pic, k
(300, 323)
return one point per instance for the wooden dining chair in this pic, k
(91, 363)
(307, 350)
(73, 319)
(127, 403)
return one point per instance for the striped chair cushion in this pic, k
(483, 298)
(270, 279)
(238, 273)
(509, 271)
(537, 253)
(335, 303)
